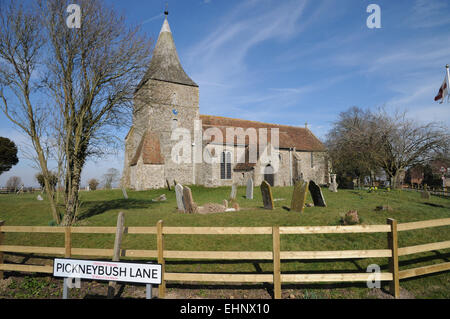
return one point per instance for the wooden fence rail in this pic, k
(392, 228)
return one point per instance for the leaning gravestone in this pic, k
(124, 192)
(168, 185)
(299, 196)
(316, 194)
(233, 192)
(249, 190)
(333, 186)
(266, 195)
(189, 205)
(179, 196)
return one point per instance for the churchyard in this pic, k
(146, 208)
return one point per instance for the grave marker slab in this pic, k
(249, 190)
(179, 196)
(267, 197)
(316, 194)
(124, 192)
(189, 205)
(233, 192)
(299, 196)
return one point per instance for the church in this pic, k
(167, 100)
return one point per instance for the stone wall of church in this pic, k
(163, 107)
(311, 167)
(209, 174)
(174, 106)
(144, 176)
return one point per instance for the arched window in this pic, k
(225, 165)
(269, 175)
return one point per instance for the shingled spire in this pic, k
(165, 64)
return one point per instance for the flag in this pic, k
(443, 90)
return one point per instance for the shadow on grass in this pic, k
(94, 208)
(436, 205)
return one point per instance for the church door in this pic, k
(268, 175)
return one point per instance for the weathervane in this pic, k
(166, 12)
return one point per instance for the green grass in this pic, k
(100, 208)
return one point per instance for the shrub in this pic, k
(53, 180)
(93, 183)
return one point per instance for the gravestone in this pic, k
(225, 203)
(333, 186)
(249, 190)
(267, 197)
(299, 196)
(233, 192)
(316, 194)
(168, 185)
(124, 192)
(160, 198)
(39, 197)
(189, 206)
(179, 196)
(425, 194)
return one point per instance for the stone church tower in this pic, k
(165, 99)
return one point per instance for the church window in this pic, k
(225, 165)
(312, 160)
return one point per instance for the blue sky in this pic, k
(295, 61)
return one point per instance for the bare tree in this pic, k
(404, 142)
(361, 142)
(13, 183)
(21, 44)
(89, 75)
(352, 144)
(110, 177)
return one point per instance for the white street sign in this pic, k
(107, 270)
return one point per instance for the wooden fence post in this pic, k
(394, 286)
(276, 262)
(116, 255)
(2, 237)
(160, 247)
(67, 242)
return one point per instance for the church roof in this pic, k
(150, 150)
(165, 64)
(300, 138)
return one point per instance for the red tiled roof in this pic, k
(289, 136)
(150, 149)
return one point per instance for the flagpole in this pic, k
(448, 77)
(448, 81)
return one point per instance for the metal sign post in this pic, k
(65, 289)
(148, 291)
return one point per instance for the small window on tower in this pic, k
(174, 124)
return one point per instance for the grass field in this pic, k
(100, 208)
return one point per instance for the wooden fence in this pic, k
(276, 255)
